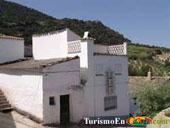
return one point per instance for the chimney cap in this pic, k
(86, 34)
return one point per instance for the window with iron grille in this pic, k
(110, 103)
(52, 100)
(110, 82)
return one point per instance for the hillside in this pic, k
(18, 20)
(143, 58)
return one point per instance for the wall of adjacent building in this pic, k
(23, 90)
(52, 45)
(11, 50)
(63, 79)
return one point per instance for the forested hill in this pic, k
(18, 20)
(21, 21)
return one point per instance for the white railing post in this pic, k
(125, 48)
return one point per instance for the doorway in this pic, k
(64, 109)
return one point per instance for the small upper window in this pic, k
(52, 100)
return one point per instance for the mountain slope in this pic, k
(18, 20)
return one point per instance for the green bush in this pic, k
(133, 71)
(152, 100)
(144, 70)
(167, 63)
(140, 70)
(133, 56)
(157, 52)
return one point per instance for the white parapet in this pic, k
(75, 47)
(125, 48)
(100, 49)
(112, 50)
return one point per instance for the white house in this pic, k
(69, 78)
(11, 48)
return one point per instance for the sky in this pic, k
(142, 21)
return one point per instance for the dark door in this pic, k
(64, 110)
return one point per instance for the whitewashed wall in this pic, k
(23, 90)
(71, 36)
(109, 63)
(95, 88)
(87, 74)
(60, 80)
(52, 46)
(100, 49)
(11, 50)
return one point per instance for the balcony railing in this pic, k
(74, 47)
(112, 50)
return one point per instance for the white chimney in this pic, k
(86, 34)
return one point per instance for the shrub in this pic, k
(145, 69)
(133, 56)
(157, 51)
(152, 100)
(167, 63)
(133, 71)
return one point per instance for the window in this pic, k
(52, 100)
(110, 103)
(110, 82)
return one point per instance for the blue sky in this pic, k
(143, 21)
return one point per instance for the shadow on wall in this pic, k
(7, 120)
(83, 76)
(28, 51)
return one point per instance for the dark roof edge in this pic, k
(2, 36)
(49, 33)
(38, 69)
(108, 54)
(62, 61)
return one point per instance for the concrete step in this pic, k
(5, 109)
(4, 101)
(4, 104)
(3, 98)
